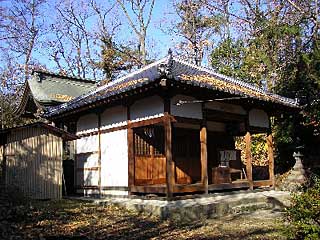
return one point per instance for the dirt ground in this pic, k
(69, 219)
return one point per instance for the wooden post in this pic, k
(4, 161)
(99, 152)
(249, 159)
(130, 139)
(204, 151)
(271, 159)
(204, 157)
(170, 180)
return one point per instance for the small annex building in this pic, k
(168, 128)
(31, 157)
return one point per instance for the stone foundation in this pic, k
(203, 207)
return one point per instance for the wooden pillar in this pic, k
(249, 159)
(130, 139)
(4, 161)
(99, 152)
(204, 152)
(204, 157)
(271, 159)
(170, 179)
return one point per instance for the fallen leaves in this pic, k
(70, 219)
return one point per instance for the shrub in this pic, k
(304, 213)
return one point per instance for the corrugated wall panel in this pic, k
(35, 162)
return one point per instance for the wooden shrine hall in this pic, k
(168, 128)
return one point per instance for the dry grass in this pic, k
(69, 219)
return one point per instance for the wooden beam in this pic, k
(204, 153)
(188, 188)
(187, 120)
(225, 186)
(249, 159)
(149, 189)
(271, 159)
(216, 115)
(262, 183)
(170, 179)
(141, 123)
(117, 188)
(178, 188)
(147, 122)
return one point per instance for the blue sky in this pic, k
(161, 18)
(158, 41)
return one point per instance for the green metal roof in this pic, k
(51, 89)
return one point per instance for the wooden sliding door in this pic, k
(150, 161)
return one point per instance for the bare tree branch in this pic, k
(128, 16)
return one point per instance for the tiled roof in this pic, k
(48, 88)
(45, 89)
(207, 78)
(177, 70)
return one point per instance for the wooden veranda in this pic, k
(180, 160)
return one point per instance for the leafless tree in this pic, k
(139, 21)
(21, 26)
(115, 56)
(72, 46)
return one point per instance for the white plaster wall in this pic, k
(225, 107)
(87, 123)
(147, 108)
(87, 144)
(216, 126)
(114, 159)
(92, 161)
(190, 110)
(87, 178)
(114, 117)
(88, 161)
(91, 178)
(258, 118)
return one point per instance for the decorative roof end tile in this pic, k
(165, 68)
